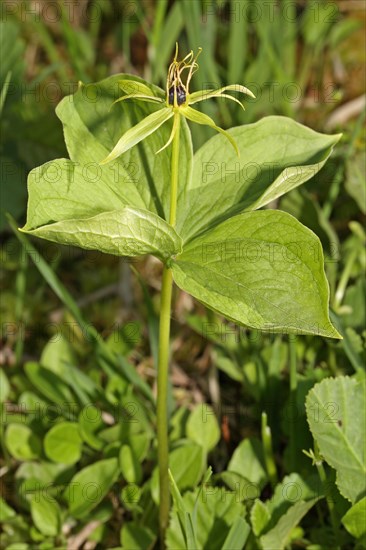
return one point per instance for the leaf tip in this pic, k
(104, 161)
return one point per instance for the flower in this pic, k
(177, 103)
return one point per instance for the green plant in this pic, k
(198, 214)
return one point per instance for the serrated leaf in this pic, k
(260, 269)
(125, 232)
(278, 537)
(336, 414)
(217, 511)
(259, 517)
(277, 154)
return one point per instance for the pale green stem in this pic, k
(174, 175)
(268, 451)
(293, 402)
(342, 285)
(20, 285)
(163, 360)
(328, 498)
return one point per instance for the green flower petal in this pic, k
(174, 129)
(139, 132)
(140, 97)
(219, 95)
(201, 118)
(134, 87)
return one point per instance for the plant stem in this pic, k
(174, 172)
(268, 451)
(162, 402)
(163, 356)
(328, 498)
(293, 402)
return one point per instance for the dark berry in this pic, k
(181, 95)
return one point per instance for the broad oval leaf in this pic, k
(354, 519)
(22, 443)
(126, 232)
(92, 127)
(203, 428)
(260, 269)
(63, 443)
(336, 414)
(45, 514)
(186, 464)
(90, 485)
(277, 154)
(248, 461)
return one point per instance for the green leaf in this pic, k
(13, 192)
(90, 485)
(136, 537)
(90, 423)
(125, 232)
(63, 443)
(332, 407)
(260, 269)
(278, 537)
(4, 386)
(129, 465)
(131, 87)
(22, 443)
(186, 464)
(217, 511)
(355, 181)
(48, 383)
(276, 155)
(139, 178)
(354, 519)
(203, 428)
(247, 460)
(142, 130)
(56, 354)
(259, 517)
(185, 518)
(45, 514)
(201, 118)
(237, 536)
(292, 489)
(206, 94)
(6, 512)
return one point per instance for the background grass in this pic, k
(301, 59)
